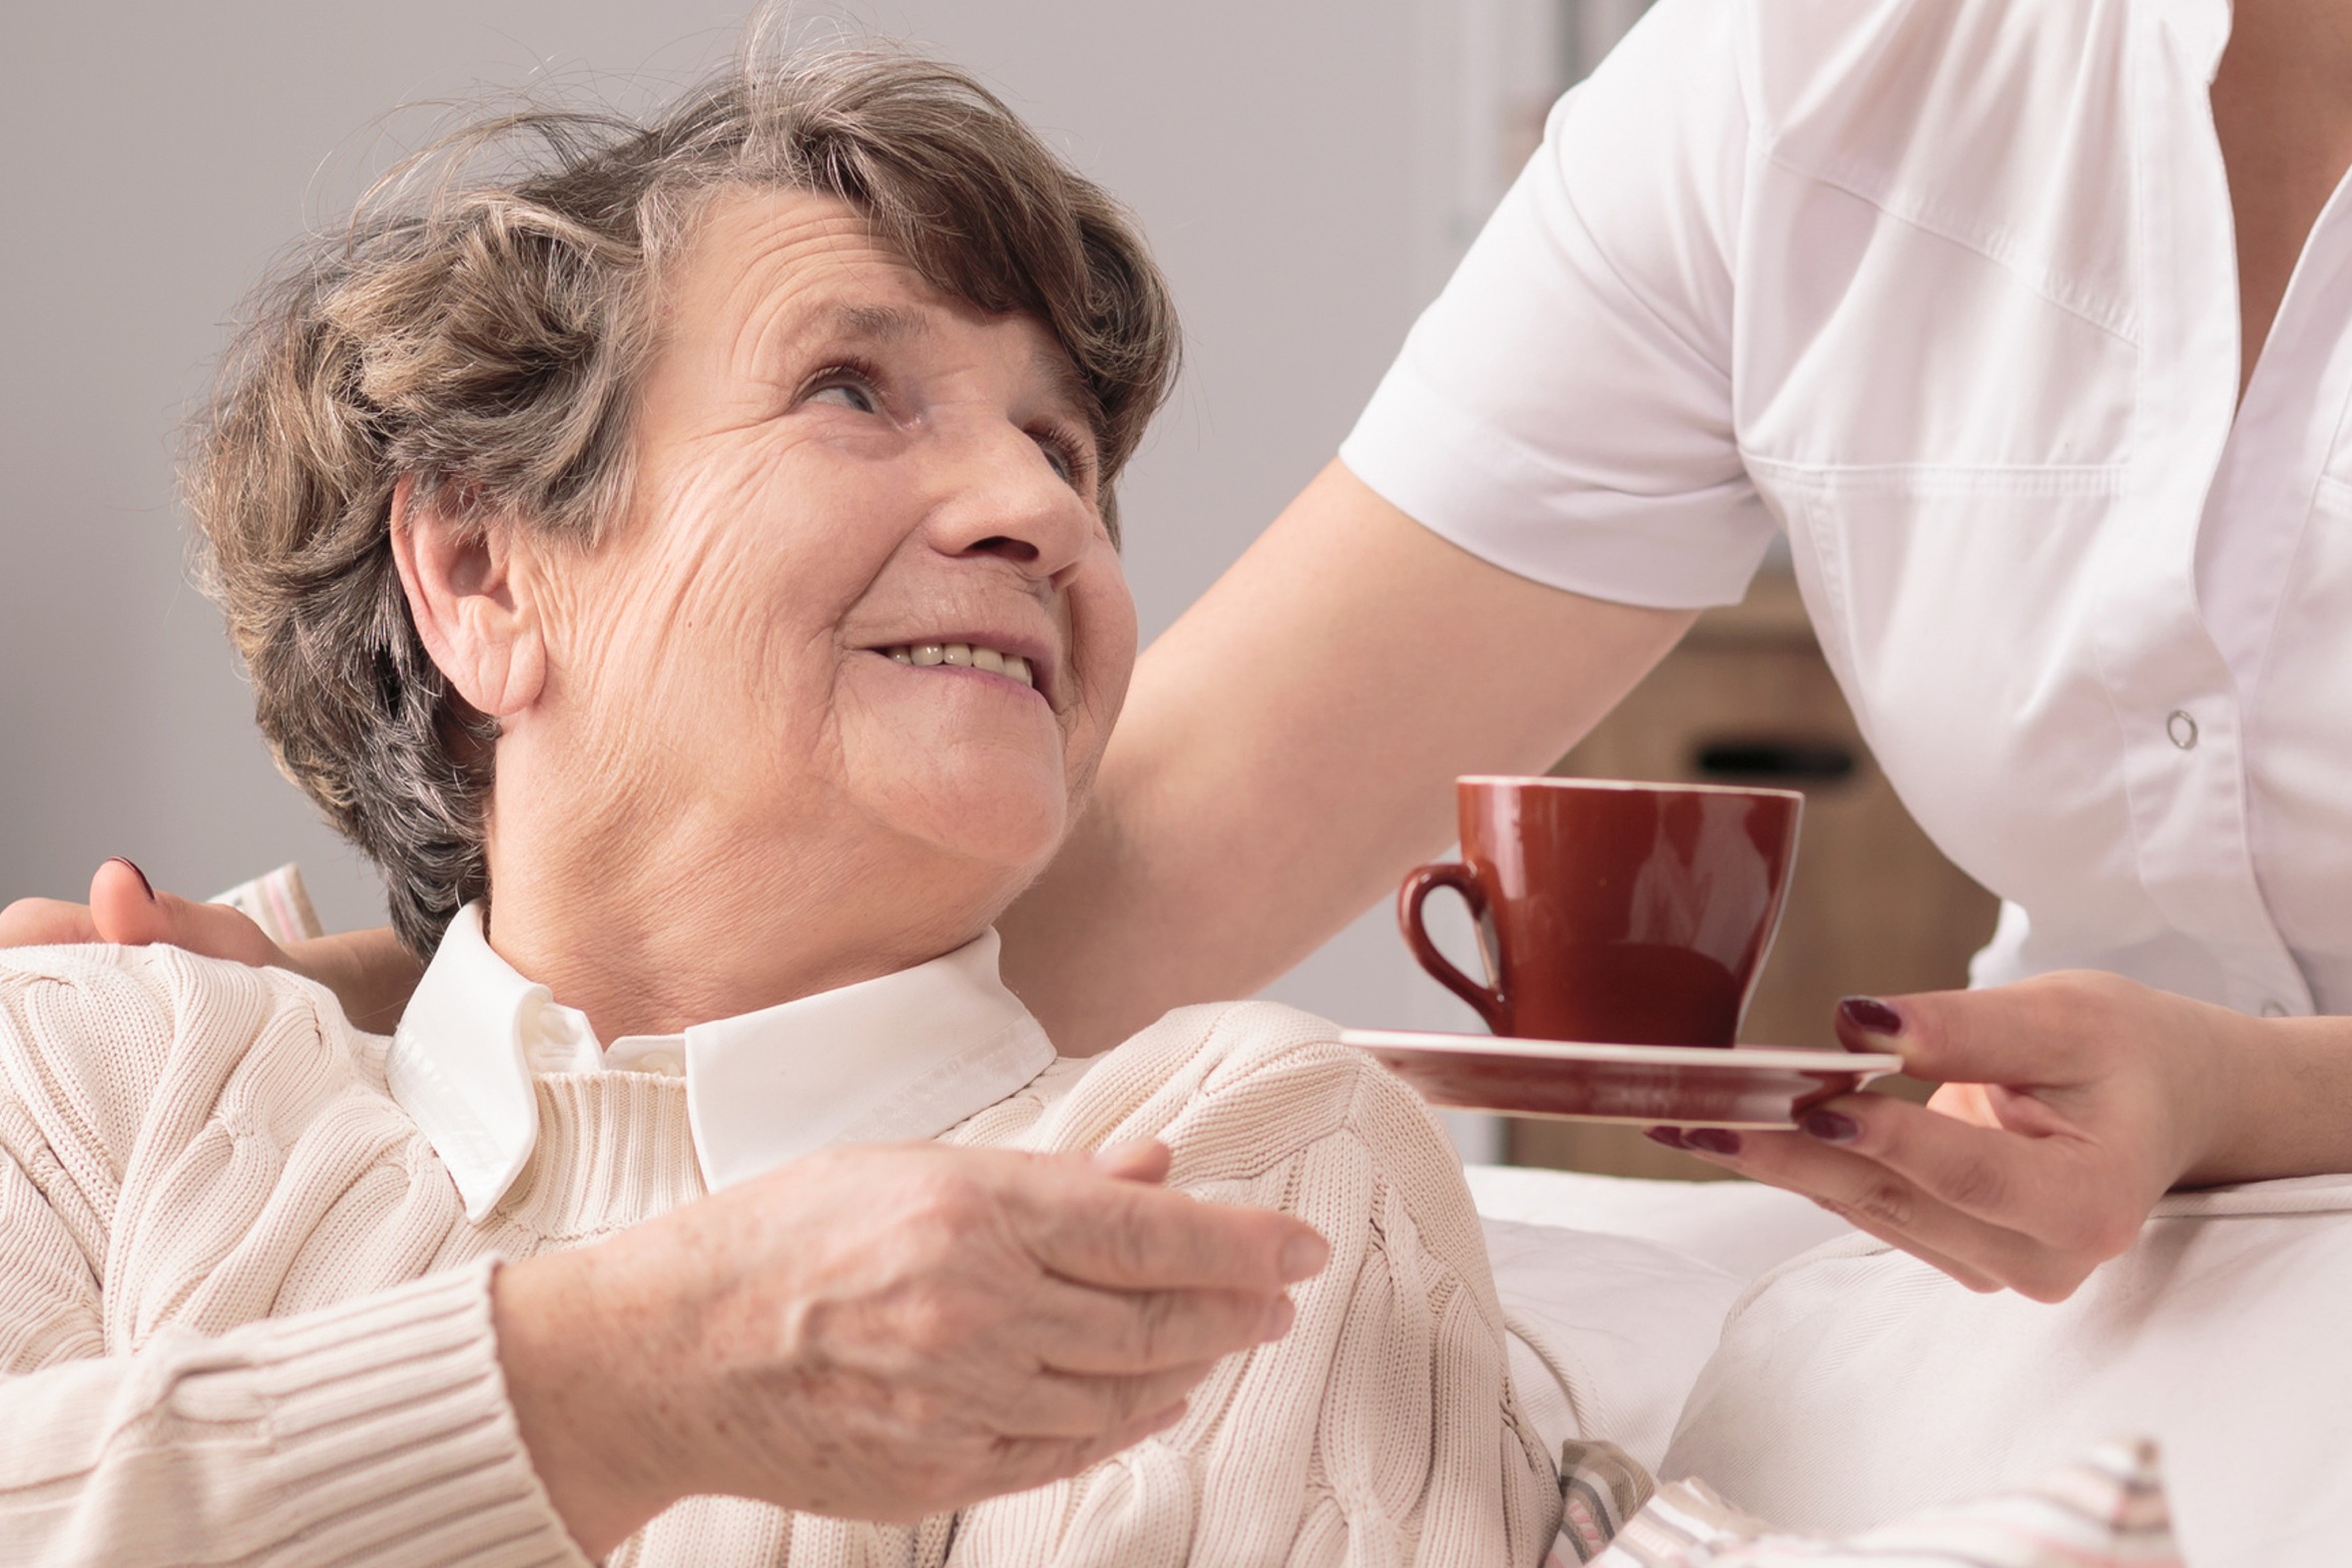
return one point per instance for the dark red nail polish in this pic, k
(1712, 1140)
(145, 885)
(1871, 1015)
(1671, 1137)
(1830, 1127)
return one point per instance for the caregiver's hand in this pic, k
(369, 971)
(884, 1333)
(2071, 1104)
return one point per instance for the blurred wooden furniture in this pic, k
(1873, 907)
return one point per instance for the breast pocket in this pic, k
(1956, 609)
(1865, 341)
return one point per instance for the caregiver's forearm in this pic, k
(2288, 1103)
(1289, 749)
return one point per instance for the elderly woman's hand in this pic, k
(2071, 1104)
(884, 1333)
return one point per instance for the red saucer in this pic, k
(1652, 1085)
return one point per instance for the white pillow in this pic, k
(2104, 1511)
(1855, 1382)
(1742, 1228)
(1615, 1288)
(1607, 1333)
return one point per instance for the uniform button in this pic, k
(2183, 728)
(2274, 1010)
(662, 1063)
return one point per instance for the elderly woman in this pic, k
(686, 566)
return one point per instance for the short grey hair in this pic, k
(483, 337)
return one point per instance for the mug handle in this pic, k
(1490, 1003)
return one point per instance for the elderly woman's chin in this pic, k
(983, 777)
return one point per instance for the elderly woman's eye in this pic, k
(845, 389)
(1072, 459)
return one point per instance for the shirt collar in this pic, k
(906, 1055)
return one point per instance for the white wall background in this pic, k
(1306, 171)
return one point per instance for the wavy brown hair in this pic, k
(480, 329)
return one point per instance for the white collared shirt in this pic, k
(1945, 289)
(904, 1056)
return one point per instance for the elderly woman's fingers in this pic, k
(1137, 1160)
(1026, 1462)
(978, 1318)
(44, 923)
(1129, 1235)
(1084, 1330)
(1058, 1405)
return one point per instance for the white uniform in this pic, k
(1946, 291)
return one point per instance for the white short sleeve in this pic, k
(1564, 409)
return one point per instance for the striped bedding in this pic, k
(2105, 1510)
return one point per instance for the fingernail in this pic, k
(1303, 1256)
(147, 887)
(1279, 1317)
(1870, 1015)
(1669, 1136)
(1830, 1127)
(1712, 1140)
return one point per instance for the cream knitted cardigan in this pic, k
(243, 1317)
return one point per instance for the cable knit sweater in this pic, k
(242, 1315)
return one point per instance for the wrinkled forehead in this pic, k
(762, 271)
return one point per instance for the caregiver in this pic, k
(1946, 293)
(1986, 305)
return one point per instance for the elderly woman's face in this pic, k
(864, 588)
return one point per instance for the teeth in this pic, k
(967, 655)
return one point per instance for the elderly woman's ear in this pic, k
(473, 592)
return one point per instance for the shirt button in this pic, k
(2183, 728)
(661, 1063)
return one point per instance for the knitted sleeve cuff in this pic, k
(388, 1436)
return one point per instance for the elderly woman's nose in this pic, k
(1013, 503)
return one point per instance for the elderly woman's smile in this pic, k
(852, 650)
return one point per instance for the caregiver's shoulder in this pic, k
(1806, 58)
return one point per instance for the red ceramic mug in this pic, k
(1612, 912)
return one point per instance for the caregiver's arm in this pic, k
(2072, 1103)
(1289, 747)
